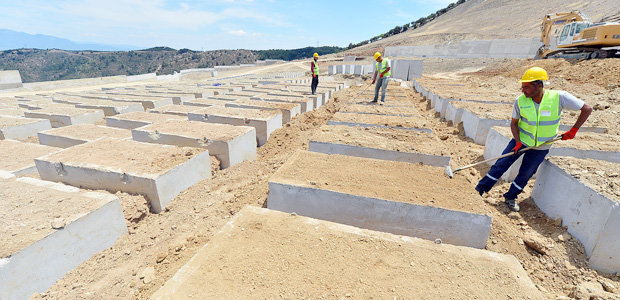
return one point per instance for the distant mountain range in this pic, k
(10, 39)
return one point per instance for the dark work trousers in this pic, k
(531, 160)
(315, 83)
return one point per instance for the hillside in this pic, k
(487, 19)
(37, 65)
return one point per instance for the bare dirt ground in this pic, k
(159, 244)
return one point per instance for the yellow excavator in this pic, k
(579, 37)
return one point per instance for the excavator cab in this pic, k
(570, 32)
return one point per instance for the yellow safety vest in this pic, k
(535, 127)
(383, 68)
(316, 67)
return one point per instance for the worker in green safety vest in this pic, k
(535, 121)
(383, 70)
(314, 68)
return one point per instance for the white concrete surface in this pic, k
(26, 127)
(160, 188)
(376, 153)
(287, 113)
(500, 48)
(39, 265)
(427, 222)
(478, 128)
(10, 79)
(590, 217)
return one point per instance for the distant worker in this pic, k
(314, 68)
(383, 69)
(535, 120)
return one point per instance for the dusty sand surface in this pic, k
(274, 255)
(201, 130)
(29, 213)
(6, 121)
(266, 104)
(392, 121)
(89, 132)
(382, 110)
(147, 117)
(128, 156)
(254, 114)
(18, 155)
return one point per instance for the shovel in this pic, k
(451, 173)
(359, 93)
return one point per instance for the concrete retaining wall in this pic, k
(500, 48)
(427, 222)
(29, 128)
(10, 80)
(590, 217)
(148, 76)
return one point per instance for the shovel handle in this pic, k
(507, 154)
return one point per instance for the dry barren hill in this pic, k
(491, 19)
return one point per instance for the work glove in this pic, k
(517, 147)
(373, 82)
(313, 75)
(569, 135)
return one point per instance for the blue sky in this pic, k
(210, 25)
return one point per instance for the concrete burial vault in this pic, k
(288, 110)
(18, 157)
(65, 116)
(265, 121)
(109, 107)
(265, 254)
(567, 189)
(68, 136)
(19, 128)
(338, 188)
(306, 103)
(139, 119)
(230, 144)
(160, 172)
(49, 229)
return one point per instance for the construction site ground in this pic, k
(158, 245)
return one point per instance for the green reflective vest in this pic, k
(535, 127)
(383, 68)
(316, 67)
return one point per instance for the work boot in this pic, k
(381, 103)
(479, 190)
(512, 204)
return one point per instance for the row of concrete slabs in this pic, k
(588, 212)
(319, 191)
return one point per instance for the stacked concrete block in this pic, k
(139, 119)
(48, 229)
(289, 110)
(59, 117)
(109, 108)
(230, 144)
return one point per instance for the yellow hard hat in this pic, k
(377, 55)
(316, 55)
(533, 74)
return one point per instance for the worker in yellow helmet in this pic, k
(383, 69)
(314, 69)
(535, 123)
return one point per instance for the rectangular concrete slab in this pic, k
(175, 109)
(160, 172)
(64, 116)
(230, 144)
(288, 110)
(18, 157)
(339, 188)
(19, 128)
(265, 254)
(70, 136)
(307, 104)
(590, 212)
(109, 107)
(147, 102)
(265, 121)
(206, 102)
(139, 119)
(49, 229)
